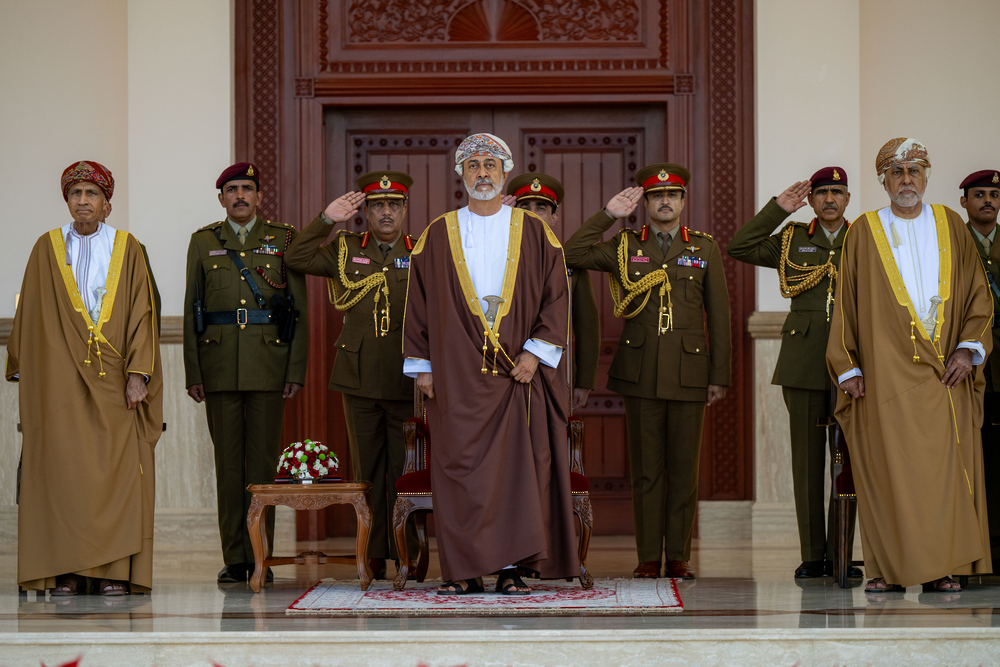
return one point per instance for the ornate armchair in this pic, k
(844, 500)
(414, 496)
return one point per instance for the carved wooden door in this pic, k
(594, 152)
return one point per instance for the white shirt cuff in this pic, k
(547, 353)
(978, 351)
(853, 373)
(412, 366)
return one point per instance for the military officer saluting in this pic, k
(245, 344)
(367, 275)
(807, 257)
(981, 200)
(668, 282)
(542, 195)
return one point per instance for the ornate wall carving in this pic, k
(264, 102)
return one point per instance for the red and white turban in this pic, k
(901, 151)
(85, 170)
(483, 145)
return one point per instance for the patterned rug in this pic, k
(331, 597)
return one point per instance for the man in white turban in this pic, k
(911, 322)
(486, 323)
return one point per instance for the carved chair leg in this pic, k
(583, 510)
(420, 518)
(400, 511)
(841, 557)
(257, 527)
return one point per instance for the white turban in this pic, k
(483, 144)
(901, 150)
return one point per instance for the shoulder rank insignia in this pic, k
(644, 233)
(684, 260)
(364, 239)
(408, 243)
(402, 262)
(209, 226)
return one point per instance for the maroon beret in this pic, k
(829, 176)
(240, 170)
(985, 178)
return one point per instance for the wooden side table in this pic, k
(308, 497)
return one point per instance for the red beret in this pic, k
(985, 178)
(93, 172)
(829, 176)
(240, 170)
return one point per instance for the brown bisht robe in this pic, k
(499, 466)
(87, 461)
(914, 444)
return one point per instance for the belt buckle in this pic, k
(241, 312)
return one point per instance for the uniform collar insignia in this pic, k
(812, 227)
(408, 242)
(685, 235)
(644, 233)
(364, 239)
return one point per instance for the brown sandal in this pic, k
(69, 584)
(872, 586)
(112, 588)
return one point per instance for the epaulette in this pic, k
(279, 224)
(210, 226)
(705, 234)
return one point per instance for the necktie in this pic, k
(987, 245)
(665, 240)
(242, 233)
(385, 247)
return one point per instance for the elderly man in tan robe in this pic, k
(912, 318)
(84, 352)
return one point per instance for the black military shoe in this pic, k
(810, 569)
(852, 572)
(232, 574)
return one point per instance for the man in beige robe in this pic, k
(912, 318)
(84, 352)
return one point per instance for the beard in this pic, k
(906, 198)
(486, 195)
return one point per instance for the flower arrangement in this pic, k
(306, 460)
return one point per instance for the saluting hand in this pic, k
(508, 200)
(345, 207)
(794, 197)
(624, 202)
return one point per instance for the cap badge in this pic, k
(836, 175)
(663, 175)
(536, 186)
(996, 177)
(385, 183)
(250, 170)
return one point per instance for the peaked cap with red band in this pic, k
(536, 187)
(385, 184)
(92, 172)
(987, 178)
(664, 176)
(829, 176)
(239, 171)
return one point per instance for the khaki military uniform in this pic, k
(664, 378)
(243, 368)
(991, 401)
(801, 368)
(368, 367)
(586, 329)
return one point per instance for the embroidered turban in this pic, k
(85, 170)
(901, 151)
(483, 144)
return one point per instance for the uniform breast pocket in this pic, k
(270, 267)
(218, 273)
(692, 279)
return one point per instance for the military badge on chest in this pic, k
(639, 257)
(401, 262)
(687, 260)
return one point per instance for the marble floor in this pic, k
(743, 592)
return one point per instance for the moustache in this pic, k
(387, 219)
(240, 202)
(987, 208)
(666, 208)
(484, 181)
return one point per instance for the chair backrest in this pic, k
(416, 437)
(575, 431)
